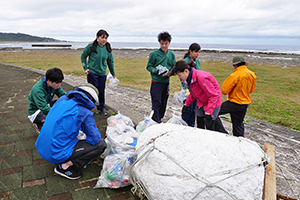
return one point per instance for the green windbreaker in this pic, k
(97, 62)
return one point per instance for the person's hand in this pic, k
(166, 74)
(163, 73)
(114, 76)
(184, 109)
(87, 72)
(208, 120)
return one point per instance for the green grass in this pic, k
(276, 98)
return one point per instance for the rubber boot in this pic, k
(200, 122)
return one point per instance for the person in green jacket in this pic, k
(160, 64)
(40, 99)
(189, 116)
(99, 54)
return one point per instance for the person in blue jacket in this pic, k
(58, 142)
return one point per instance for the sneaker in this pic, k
(69, 173)
(103, 111)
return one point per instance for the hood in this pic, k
(81, 99)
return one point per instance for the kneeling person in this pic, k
(58, 143)
(41, 95)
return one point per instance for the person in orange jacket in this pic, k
(238, 87)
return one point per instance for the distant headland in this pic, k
(21, 37)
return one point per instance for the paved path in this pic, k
(22, 170)
(24, 174)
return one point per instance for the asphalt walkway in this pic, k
(24, 174)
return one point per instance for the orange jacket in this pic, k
(239, 85)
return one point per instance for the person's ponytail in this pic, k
(94, 46)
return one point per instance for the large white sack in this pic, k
(198, 164)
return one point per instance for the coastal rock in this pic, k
(277, 59)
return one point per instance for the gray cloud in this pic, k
(139, 20)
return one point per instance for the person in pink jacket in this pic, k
(203, 87)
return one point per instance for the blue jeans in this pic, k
(189, 116)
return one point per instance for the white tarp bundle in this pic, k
(180, 162)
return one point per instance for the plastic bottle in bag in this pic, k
(117, 184)
(115, 172)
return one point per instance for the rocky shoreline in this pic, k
(276, 59)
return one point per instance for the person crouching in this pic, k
(58, 143)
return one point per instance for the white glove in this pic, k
(162, 71)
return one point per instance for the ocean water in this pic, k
(154, 45)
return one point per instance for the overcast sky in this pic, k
(202, 21)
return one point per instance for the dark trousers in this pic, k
(237, 113)
(189, 116)
(159, 97)
(99, 83)
(40, 120)
(84, 152)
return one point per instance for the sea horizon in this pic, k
(280, 49)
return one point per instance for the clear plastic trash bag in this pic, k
(147, 122)
(120, 135)
(116, 170)
(113, 82)
(180, 96)
(177, 120)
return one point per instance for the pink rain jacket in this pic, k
(206, 90)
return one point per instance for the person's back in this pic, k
(206, 91)
(239, 85)
(70, 114)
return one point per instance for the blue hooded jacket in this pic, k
(58, 136)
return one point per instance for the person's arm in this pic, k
(173, 62)
(212, 92)
(89, 127)
(39, 97)
(254, 84)
(198, 64)
(228, 84)
(151, 64)
(85, 53)
(110, 64)
(59, 91)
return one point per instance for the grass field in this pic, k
(276, 98)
